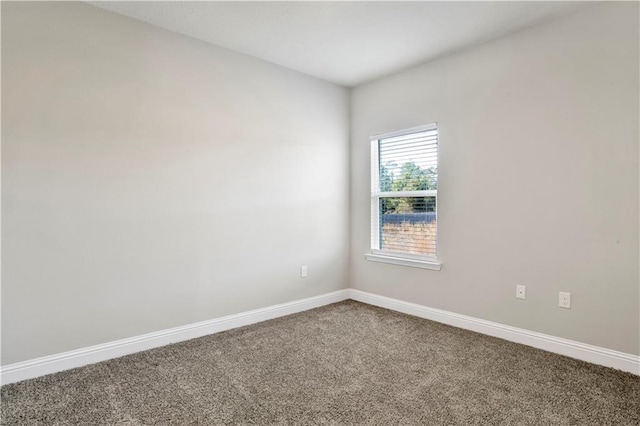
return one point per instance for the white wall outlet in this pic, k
(303, 271)
(521, 292)
(564, 300)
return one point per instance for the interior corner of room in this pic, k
(157, 185)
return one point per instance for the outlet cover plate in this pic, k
(564, 300)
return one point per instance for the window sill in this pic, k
(434, 265)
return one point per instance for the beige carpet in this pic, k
(346, 363)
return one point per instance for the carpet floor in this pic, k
(346, 363)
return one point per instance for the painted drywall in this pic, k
(150, 180)
(538, 177)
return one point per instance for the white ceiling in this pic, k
(347, 43)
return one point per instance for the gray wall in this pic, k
(150, 180)
(538, 177)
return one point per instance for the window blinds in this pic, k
(404, 192)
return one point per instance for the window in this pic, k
(404, 192)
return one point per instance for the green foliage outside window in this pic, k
(408, 177)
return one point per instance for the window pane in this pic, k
(408, 225)
(409, 163)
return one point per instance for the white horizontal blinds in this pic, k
(404, 193)
(409, 162)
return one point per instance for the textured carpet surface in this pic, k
(346, 363)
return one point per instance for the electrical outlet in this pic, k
(564, 300)
(521, 292)
(303, 271)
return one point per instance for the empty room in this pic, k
(336, 213)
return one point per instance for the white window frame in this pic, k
(377, 255)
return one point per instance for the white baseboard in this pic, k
(594, 354)
(77, 358)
